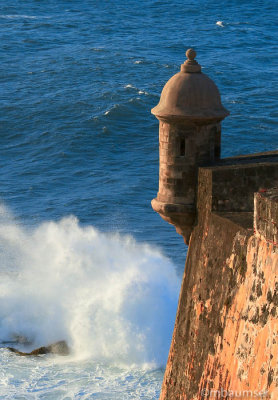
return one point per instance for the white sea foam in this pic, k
(112, 299)
(114, 107)
(220, 23)
(18, 16)
(139, 91)
(143, 92)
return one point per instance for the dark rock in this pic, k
(18, 339)
(60, 348)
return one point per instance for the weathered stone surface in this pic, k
(246, 352)
(226, 331)
(225, 339)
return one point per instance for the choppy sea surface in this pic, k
(83, 256)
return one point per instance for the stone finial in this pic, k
(190, 54)
(190, 65)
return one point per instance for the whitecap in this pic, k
(18, 16)
(98, 48)
(114, 107)
(139, 91)
(138, 62)
(143, 92)
(220, 23)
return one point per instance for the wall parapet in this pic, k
(233, 181)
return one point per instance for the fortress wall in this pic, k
(225, 335)
(246, 352)
(234, 186)
(226, 330)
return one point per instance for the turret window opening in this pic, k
(182, 147)
(212, 150)
(215, 145)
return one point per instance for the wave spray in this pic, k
(112, 299)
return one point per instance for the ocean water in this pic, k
(83, 256)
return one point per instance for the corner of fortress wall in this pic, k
(226, 331)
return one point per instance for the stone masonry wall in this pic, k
(181, 149)
(226, 331)
(246, 351)
(233, 186)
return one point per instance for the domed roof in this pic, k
(190, 94)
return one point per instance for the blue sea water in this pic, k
(79, 167)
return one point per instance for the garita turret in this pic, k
(190, 114)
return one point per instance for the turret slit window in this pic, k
(216, 138)
(212, 151)
(182, 147)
